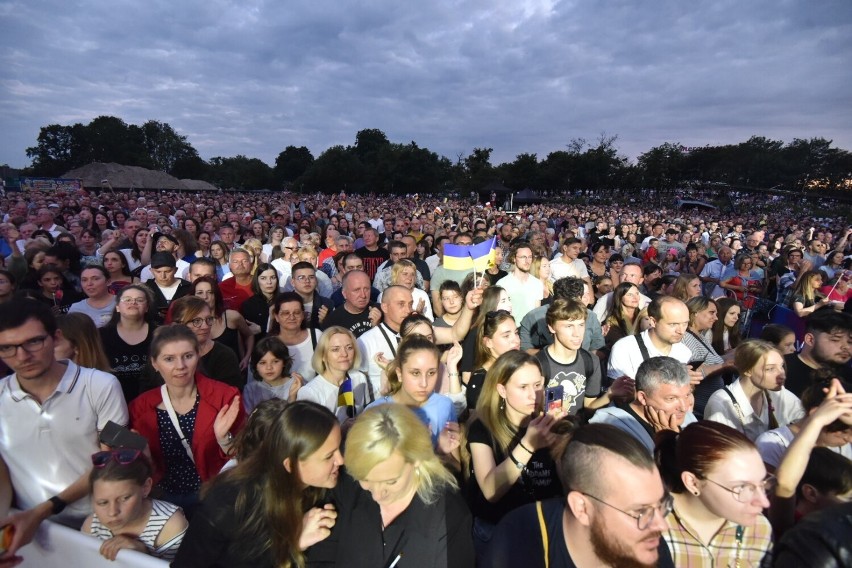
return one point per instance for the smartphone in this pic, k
(553, 398)
(117, 436)
(695, 364)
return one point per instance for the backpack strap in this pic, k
(587, 362)
(643, 349)
(545, 364)
(313, 334)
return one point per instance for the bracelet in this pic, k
(521, 444)
(452, 374)
(518, 463)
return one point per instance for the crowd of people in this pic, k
(308, 380)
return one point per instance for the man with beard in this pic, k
(827, 344)
(505, 243)
(669, 321)
(614, 520)
(525, 290)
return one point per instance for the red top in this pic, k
(234, 294)
(209, 457)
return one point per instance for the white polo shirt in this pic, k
(48, 447)
(720, 408)
(625, 357)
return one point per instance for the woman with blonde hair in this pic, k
(805, 301)
(255, 247)
(509, 444)
(338, 385)
(404, 273)
(757, 401)
(541, 269)
(398, 500)
(686, 286)
(80, 342)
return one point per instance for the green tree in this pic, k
(662, 166)
(240, 172)
(165, 147)
(292, 163)
(335, 169)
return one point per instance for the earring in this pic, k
(502, 403)
(696, 492)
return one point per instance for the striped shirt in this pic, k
(723, 550)
(161, 512)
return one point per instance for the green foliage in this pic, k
(375, 164)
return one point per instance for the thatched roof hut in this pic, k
(97, 174)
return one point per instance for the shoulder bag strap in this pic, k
(387, 339)
(736, 405)
(544, 538)
(643, 349)
(167, 402)
(700, 340)
(313, 334)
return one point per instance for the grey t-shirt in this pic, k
(575, 384)
(100, 316)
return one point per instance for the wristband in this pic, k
(57, 505)
(521, 444)
(518, 463)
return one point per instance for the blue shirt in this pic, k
(435, 413)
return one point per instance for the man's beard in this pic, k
(613, 551)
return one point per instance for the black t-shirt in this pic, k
(576, 385)
(474, 388)
(517, 540)
(800, 376)
(358, 324)
(256, 310)
(126, 361)
(538, 481)
(210, 539)
(372, 259)
(468, 359)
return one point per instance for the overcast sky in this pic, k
(252, 77)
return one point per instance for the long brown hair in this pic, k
(80, 331)
(271, 500)
(490, 407)
(723, 306)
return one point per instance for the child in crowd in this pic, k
(271, 366)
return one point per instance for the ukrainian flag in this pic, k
(470, 257)
(346, 398)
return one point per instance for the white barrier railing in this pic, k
(57, 546)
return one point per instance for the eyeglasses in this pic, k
(290, 248)
(644, 516)
(124, 456)
(525, 257)
(198, 322)
(305, 277)
(127, 300)
(288, 315)
(31, 345)
(746, 492)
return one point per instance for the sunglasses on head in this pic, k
(124, 456)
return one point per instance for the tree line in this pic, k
(375, 164)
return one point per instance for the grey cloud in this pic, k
(252, 77)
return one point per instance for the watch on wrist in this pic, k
(58, 505)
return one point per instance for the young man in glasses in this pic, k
(51, 413)
(304, 280)
(525, 290)
(610, 520)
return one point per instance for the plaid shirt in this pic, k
(689, 552)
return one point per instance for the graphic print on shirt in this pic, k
(573, 385)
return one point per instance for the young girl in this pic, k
(757, 401)
(124, 514)
(720, 489)
(271, 364)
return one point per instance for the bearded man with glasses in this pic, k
(615, 520)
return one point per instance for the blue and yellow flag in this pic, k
(470, 257)
(346, 398)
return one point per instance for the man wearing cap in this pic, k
(164, 284)
(169, 244)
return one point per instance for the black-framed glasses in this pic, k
(746, 492)
(32, 345)
(644, 516)
(198, 322)
(124, 456)
(129, 300)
